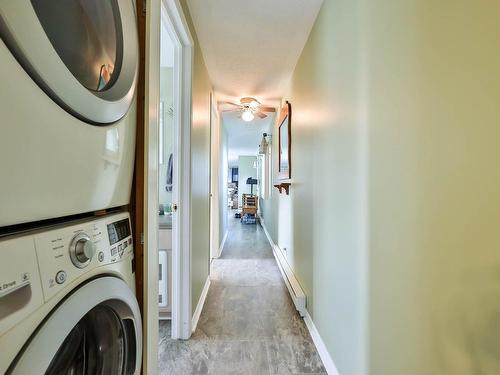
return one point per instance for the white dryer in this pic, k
(67, 302)
(68, 73)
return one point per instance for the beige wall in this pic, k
(200, 157)
(395, 200)
(434, 111)
(320, 223)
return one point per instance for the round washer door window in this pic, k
(101, 343)
(82, 53)
(96, 330)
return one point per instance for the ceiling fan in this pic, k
(249, 108)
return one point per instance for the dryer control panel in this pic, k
(66, 253)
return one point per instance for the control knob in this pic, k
(81, 250)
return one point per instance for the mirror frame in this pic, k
(285, 117)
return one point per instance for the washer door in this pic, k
(82, 53)
(95, 331)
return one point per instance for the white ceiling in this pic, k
(244, 137)
(251, 47)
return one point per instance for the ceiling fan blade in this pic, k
(231, 103)
(260, 114)
(267, 109)
(231, 110)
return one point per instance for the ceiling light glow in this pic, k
(247, 116)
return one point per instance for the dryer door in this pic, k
(82, 53)
(95, 331)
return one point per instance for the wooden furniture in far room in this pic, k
(250, 204)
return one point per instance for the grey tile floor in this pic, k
(249, 324)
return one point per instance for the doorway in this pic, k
(173, 175)
(167, 181)
(167, 185)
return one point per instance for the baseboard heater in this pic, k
(296, 292)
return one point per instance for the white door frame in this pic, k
(172, 13)
(181, 239)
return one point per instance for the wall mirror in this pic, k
(285, 143)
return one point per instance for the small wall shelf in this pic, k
(283, 186)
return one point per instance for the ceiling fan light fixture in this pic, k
(247, 116)
(254, 104)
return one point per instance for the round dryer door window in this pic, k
(82, 53)
(92, 45)
(95, 331)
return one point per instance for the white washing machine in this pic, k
(67, 302)
(68, 73)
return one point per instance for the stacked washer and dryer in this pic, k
(68, 73)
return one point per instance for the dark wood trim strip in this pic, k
(137, 196)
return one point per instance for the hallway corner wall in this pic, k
(434, 186)
(395, 189)
(321, 222)
(200, 157)
(268, 207)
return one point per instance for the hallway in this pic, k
(249, 324)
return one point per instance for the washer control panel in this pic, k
(68, 252)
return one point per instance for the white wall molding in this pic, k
(327, 360)
(199, 306)
(296, 292)
(263, 225)
(318, 341)
(221, 247)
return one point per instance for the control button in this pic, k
(120, 248)
(113, 251)
(100, 256)
(125, 245)
(60, 277)
(130, 241)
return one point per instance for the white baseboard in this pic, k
(199, 306)
(263, 225)
(221, 247)
(296, 292)
(327, 360)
